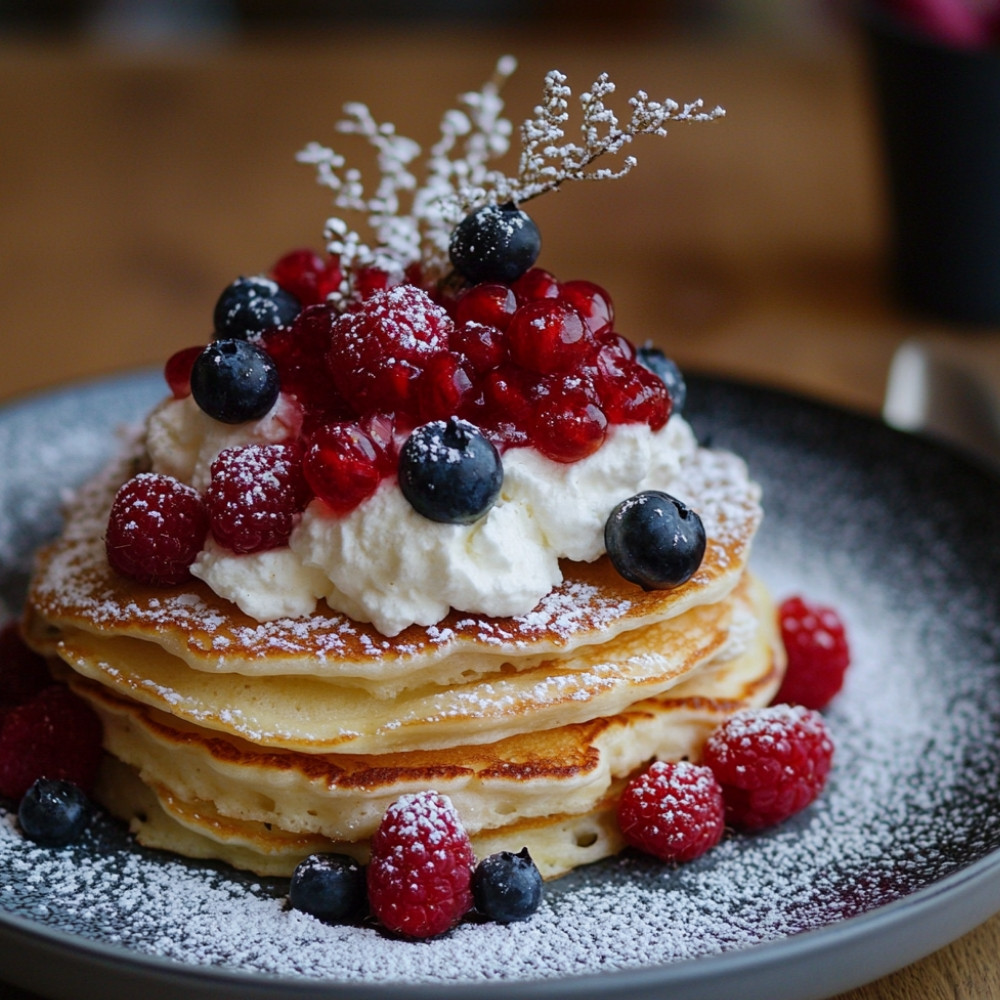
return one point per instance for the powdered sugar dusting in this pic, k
(914, 795)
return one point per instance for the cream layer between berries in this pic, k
(384, 563)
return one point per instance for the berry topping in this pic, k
(655, 540)
(307, 276)
(659, 364)
(53, 812)
(536, 284)
(329, 886)
(673, 811)
(156, 529)
(53, 735)
(483, 347)
(420, 875)
(343, 465)
(23, 673)
(442, 388)
(591, 302)
(255, 496)
(252, 305)
(450, 472)
(547, 336)
(378, 350)
(507, 887)
(234, 381)
(818, 654)
(496, 243)
(567, 424)
(487, 304)
(771, 763)
(177, 370)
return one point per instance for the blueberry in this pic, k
(234, 381)
(507, 886)
(655, 540)
(659, 364)
(329, 886)
(251, 305)
(495, 243)
(53, 812)
(450, 472)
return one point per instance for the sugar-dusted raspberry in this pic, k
(771, 762)
(673, 811)
(54, 735)
(23, 673)
(378, 350)
(156, 529)
(420, 875)
(818, 654)
(255, 496)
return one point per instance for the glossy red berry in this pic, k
(343, 466)
(487, 304)
(307, 275)
(483, 347)
(420, 874)
(378, 350)
(591, 301)
(633, 395)
(771, 763)
(255, 496)
(547, 337)
(156, 529)
(177, 370)
(818, 654)
(567, 424)
(536, 283)
(442, 388)
(673, 811)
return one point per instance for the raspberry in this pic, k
(379, 349)
(420, 875)
(818, 654)
(255, 496)
(771, 763)
(673, 811)
(156, 529)
(23, 673)
(54, 735)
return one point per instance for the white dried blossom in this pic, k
(458, 175)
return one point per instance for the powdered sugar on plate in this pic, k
(899, 537)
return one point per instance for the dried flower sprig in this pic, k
(458, 175)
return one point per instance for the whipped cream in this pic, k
(386, 564)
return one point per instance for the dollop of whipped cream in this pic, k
(386, 564)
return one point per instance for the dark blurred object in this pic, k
(963, 23)
(939, 111)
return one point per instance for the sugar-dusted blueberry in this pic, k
(659, 364)
(234, 381)
(252, 305)
(655, 540)
(507, 887)
(329, 886)
(450, 472)
(53, 812)
(496, 243)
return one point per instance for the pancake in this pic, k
(74, 590)
(269, 808)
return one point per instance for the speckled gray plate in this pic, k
(898, 857)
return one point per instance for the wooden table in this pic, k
(135, 187)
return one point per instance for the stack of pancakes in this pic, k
(260, 743)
